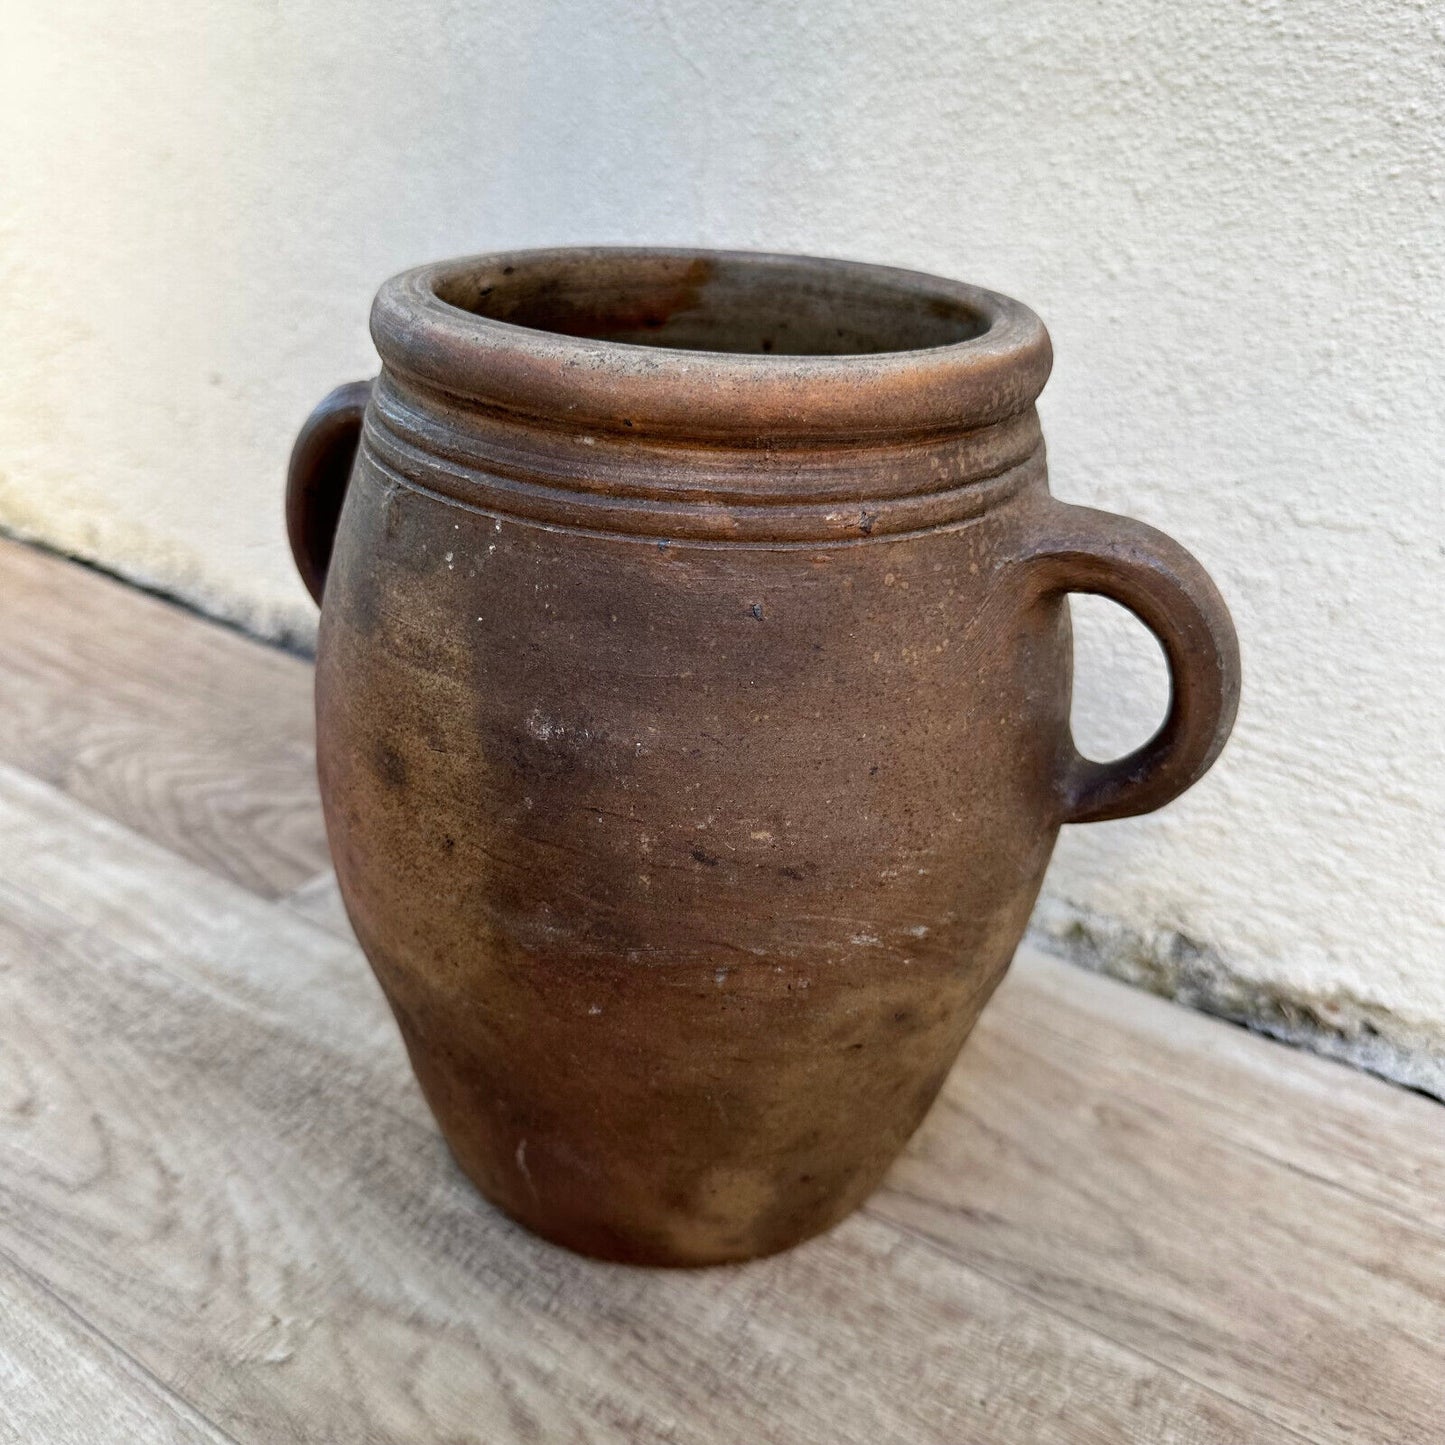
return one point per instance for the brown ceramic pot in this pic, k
(693, 711)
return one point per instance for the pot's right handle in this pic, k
(317, 478)
(1079, 549)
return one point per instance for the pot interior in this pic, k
(783, 306)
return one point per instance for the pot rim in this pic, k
(743, 397)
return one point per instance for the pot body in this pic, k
(686, 859)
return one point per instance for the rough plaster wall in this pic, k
(1229, 213)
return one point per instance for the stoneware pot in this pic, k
(693, 714)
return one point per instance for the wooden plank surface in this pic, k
(235, 1177)
(61, 1383)
(1315, 1116)
(1283, 1292)
(190, 733)
(225, 1213)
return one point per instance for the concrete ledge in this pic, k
(1337, 1023)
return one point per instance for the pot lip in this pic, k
(589, 384)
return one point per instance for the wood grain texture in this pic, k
(232, 1174)
(1313, 1115)
(319, 899)
(226, 1215)
(1310, 1115)
(61, 1383)
(1149, 1168)
(189, 733)
(1283, 1292)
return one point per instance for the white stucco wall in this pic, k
(1230, 214)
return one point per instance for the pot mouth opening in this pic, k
(726, 304)
(731, 348)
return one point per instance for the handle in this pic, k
(317, 478)
(1083, 550)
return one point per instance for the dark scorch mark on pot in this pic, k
(390, 765)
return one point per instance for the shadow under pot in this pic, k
(693, 715)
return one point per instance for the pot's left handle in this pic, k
(317, 478)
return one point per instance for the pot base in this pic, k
(607, 1247)
(624, 1209)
